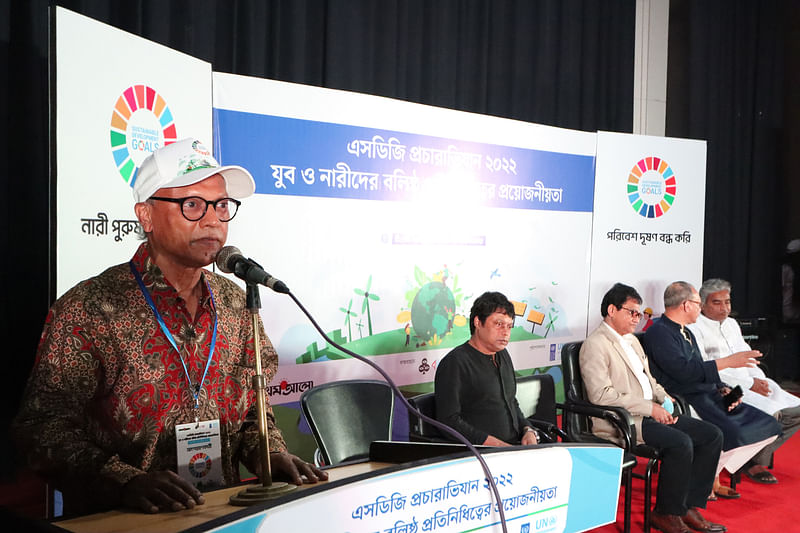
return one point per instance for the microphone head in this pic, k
(224, 257)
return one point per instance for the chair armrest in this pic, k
(682, 405)
(624, 423)
(618, 416)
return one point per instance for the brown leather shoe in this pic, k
(668, 523)
(695, 520)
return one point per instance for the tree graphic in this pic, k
(348, 313)
(367, 297)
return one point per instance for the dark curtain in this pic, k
(561, 62)
(566, 63)
(725, 85)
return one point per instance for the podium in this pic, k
(546, 488)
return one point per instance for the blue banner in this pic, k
(298, 157)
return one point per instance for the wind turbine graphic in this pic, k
(367, 297)
(348, 313)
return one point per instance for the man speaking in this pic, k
(149, 351)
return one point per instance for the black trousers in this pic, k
(690, 451)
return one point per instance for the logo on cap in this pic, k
(200, 148)
(201, 158)
(651, 187)
(141, 123)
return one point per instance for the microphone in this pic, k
(231, 261)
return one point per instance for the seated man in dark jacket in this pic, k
(475, 383)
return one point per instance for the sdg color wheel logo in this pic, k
(651, 187)
(200, 464)
(140, 123)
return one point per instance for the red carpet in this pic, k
(761, 508)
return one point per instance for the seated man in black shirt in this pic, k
(475, 383)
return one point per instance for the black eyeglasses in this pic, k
(194, 208)
(634, 314)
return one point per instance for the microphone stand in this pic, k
(268, 489)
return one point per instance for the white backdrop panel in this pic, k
(460, 227)
(648, 216)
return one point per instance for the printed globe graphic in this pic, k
(432, 311)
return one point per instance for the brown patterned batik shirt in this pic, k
(108, 388)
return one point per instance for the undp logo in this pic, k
(141, 122)
(651, 187)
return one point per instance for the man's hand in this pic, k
(295, 469)
(160, 491)
(661, 415)
(494, 441)
(760, 386)
(739, 360)
(735, 404)
(529, 437)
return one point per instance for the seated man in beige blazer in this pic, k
(615, 372)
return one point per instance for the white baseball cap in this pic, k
(186, 162)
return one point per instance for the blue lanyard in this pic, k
(196, 389)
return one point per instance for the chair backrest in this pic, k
(577, 426)
(536, 395)
(418, 429)
(346, 416)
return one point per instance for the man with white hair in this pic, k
(719, 336)
(677, 363)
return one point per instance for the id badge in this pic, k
(200, 454)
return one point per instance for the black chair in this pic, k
(536, 396)
(346, 416)
(578, 428)
(418, 429)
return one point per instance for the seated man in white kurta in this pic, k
(718, 336)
